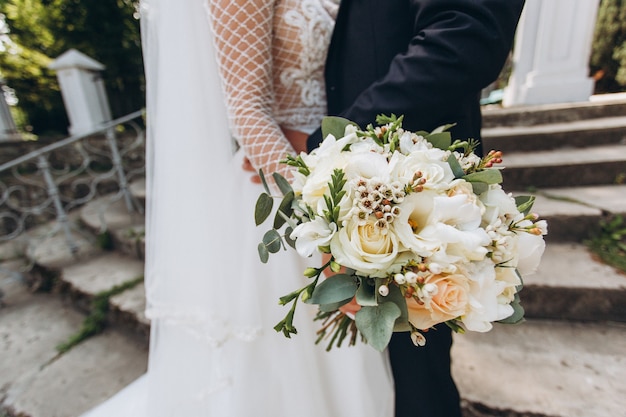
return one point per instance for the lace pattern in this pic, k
(271, 55)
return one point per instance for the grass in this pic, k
(610, 243)
(95, 322)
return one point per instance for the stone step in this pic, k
(574, 213)
(38, 381)
(543, 368)
(571, 284)
(565, 168)
(553, 136)
(600, 106)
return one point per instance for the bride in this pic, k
(256, 65)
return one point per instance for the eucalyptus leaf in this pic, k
(264, 182)
(376, 323)
(395, 296)
(272, 241)
(524, 203)
(455, 166)
(517, 316)
(264, 254)
(284, 208)
(336, 126)
(366, 294)
(334, 289)
(443, 128)
(327, 308)
(263, 208)
(488, 176)
(479, 187)
(291, 242)
(283, 184)
(441, 140)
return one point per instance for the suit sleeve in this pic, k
(457, 48)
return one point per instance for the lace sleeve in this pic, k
(243, 40)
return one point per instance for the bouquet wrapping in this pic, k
(415, 229)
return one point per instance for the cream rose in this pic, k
(450, 300)
(365, 247)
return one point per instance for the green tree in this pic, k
(105, 30)
(608, 56)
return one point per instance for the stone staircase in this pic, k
(566, 360)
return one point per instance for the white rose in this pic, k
(497, 203)
(484, 307)
(410, 142)
(414, 217)
(530, 249)
(365, 247)
(429, 163)
(367, 165)
(310, 235)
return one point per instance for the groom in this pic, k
(427, 60)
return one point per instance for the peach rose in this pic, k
(449, 300)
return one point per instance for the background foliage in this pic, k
(608, 56)
(41, 30)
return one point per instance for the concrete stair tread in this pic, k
(39, 382)
(607, 198)
(583, 156)
(572, 265)
(101, 273)
(598, 124)
(545, 367)
(103, 214)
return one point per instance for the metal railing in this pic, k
(48, 183)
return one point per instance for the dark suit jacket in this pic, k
(427, 60)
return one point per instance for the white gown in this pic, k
(213, 304)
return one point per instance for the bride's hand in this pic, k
(295, 137)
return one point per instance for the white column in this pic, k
(551, 53)
(82, 89)
(8, 130)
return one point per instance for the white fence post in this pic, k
(83, 91)
(551, 54)
(8, 130)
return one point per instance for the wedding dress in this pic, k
(212, 303)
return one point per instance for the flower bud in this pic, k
(418, 339)
(335, 267)
(310, 272)
(383, 290)
(411, 277)
(399, 278)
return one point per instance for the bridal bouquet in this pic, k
(414, 227)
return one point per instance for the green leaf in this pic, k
(336, 126)
(366, 294)
(264, 182)
(395, 296)
(524, 203)
(282, 183)
(264, 254)
(488, 176)
(441, 140)
(327, 308)
(263, 208)
(334, 289)
(479, 187)
(272, 241)
(376, 323)
(285, 208)
(517, 316)
(455, 166)
(288, 238)
(443, 128)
